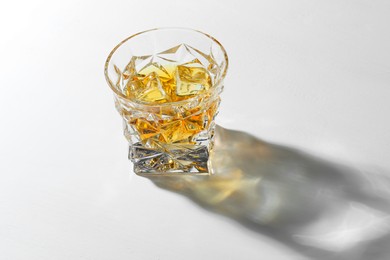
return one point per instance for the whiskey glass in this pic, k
(167, 84)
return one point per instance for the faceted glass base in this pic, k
(179, 159)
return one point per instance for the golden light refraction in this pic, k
(174, 100)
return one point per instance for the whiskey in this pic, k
(170, 119)
(157, 83)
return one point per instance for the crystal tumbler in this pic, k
(167, 84)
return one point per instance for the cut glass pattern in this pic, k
(170, 102)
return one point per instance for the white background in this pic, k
(313, 75)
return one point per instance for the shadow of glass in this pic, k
(320, 209)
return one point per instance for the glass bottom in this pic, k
(177, 159)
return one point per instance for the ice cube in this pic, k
(191, 79)
(154, 67)
(152, 91)
(134, 86)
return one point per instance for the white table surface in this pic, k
(311, 75)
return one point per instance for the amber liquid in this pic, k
(157, 84)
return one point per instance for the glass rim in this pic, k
(120, 94)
